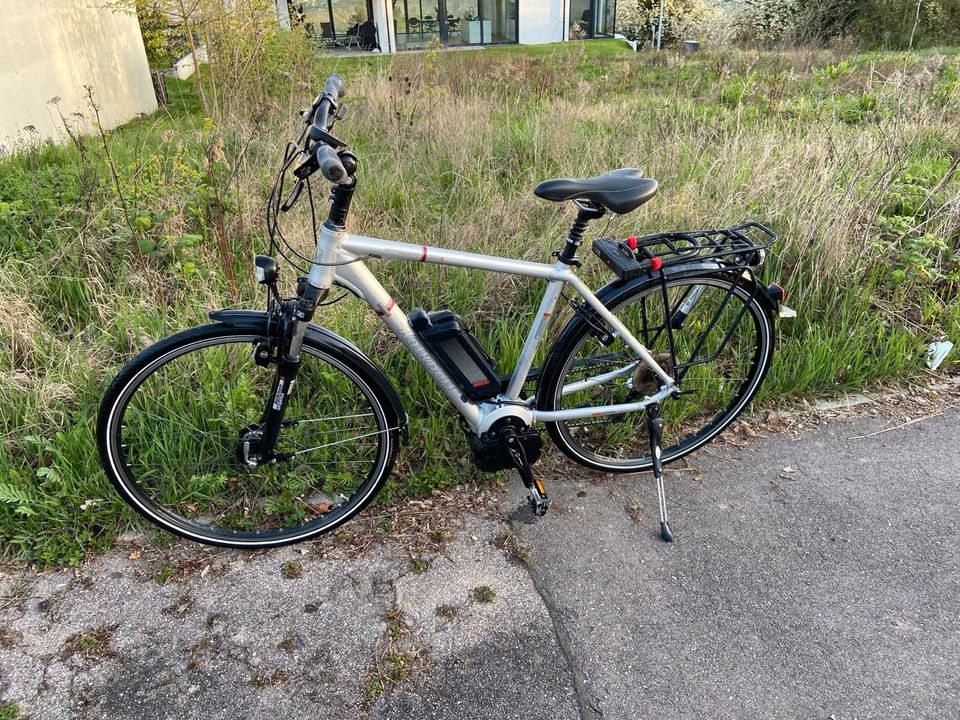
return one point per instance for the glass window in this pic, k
(606, 11)
(415, 22)
(336, 23)
(348, 16)
(592, 18)
(579, 19)
(463, 22)
(455, 22)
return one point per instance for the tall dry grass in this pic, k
(852, 159)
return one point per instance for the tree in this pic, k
(163, 25)
(636, 18)
(163, 40)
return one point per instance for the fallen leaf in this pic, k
(135, 555)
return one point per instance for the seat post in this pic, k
(586, 211)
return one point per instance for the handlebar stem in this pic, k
(341, 197)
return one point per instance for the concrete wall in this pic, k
(52, 48)
(542, 21)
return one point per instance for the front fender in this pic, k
(329, 340)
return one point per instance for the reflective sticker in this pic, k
(278, 400)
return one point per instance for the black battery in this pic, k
(461, 355)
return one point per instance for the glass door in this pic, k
(605, 14)
(458, 14)
(503, 20)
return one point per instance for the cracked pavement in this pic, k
(829, 591)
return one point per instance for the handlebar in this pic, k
(319, 149)
(333, 89)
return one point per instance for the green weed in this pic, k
(484, 594)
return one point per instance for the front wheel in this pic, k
(723, 343)
(180, 420)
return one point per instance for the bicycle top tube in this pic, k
(360, 246)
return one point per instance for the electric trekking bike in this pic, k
(263, 428)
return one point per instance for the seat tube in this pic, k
(530, 345)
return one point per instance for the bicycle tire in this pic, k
(621, 444)
(196, 395)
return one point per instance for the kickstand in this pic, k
(539, 502)
(655, 429)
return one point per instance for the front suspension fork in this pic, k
(293, 328)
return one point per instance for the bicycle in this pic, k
(263, 428)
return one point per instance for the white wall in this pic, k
(186, 66)
(542, 21)
(383, 19)
(52, 48)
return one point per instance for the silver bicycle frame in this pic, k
(339, 259)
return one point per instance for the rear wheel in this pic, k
(179, 421)
(723, 349)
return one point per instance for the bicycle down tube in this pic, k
(358, 278)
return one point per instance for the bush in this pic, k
(889, 23)
(766, 21)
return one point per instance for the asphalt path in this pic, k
(829, 589)
(812, 576)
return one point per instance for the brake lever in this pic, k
(307, 168)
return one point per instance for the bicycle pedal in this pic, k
(539, 502)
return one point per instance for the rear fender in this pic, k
(611, 290)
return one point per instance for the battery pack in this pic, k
(461, 355)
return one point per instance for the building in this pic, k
(56, 49)
(392, 25)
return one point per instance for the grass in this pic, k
(851, 159)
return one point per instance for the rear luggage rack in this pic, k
(738, 246)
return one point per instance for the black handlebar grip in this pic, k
(335, 87)
(330, 164)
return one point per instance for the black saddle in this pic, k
(620, 190)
